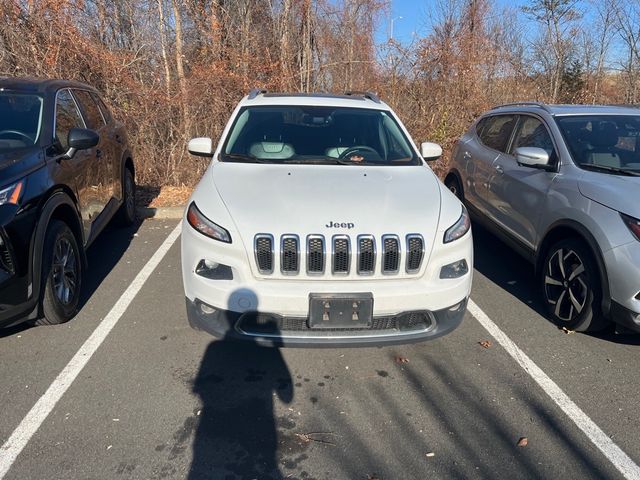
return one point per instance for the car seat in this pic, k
(603, 140)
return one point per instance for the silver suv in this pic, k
(561, 185)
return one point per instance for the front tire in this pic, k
(61, 275)
(571, 287)
(128, 208)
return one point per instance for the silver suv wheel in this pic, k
(571, 286)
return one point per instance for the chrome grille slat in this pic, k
(315, 254)
(390, 254)
(289, 254)
(318, 253)
(415, 252)
(263, 248)
(340, 255)
(366, 254)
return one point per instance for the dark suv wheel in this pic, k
(61, 275)
(571, 286)
(128, 210)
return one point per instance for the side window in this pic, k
(532, 133)
(103, 108)
(67, 117)
(90, 110)
(497, 131)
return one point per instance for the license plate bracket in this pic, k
(340, 310)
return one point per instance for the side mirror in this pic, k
(202, 147)
(430, 151)
(81, 139)
(532, 157)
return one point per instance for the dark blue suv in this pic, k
(65, 171)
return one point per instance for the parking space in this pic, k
(159, 400)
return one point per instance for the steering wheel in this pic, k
(17, 134)
(357, 148)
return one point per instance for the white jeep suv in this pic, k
(319, 223)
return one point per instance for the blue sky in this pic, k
(415, 18)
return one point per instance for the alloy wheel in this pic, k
(566, 284)
(64, 271)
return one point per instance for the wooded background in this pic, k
(174, 69)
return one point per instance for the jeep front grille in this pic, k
(341, 255)
(264, 253)
(289, 255)
(366, 255)
(390, 254)
(415, 252)
(316, 256)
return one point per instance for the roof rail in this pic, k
(255, 92)
(525, 104)
(370, 95)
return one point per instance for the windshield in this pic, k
(318, 135)
(20, 120)
(606, 143)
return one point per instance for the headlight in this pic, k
(633, 224)
(459, 228)
(205, 226)
(11, 195)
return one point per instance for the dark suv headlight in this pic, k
(11, 195)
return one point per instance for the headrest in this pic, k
(605, 135)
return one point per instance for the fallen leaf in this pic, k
(523, 442)
(567, 331)
(401, 359)
(485, 343)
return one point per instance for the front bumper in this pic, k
(278, 331)
(623, 269)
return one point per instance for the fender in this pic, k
(586, 235)
(56, 200)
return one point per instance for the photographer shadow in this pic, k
(238, 383)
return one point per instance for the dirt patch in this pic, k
(159, 197)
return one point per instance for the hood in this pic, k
(15, 165)
(329, 199)
(613, 191)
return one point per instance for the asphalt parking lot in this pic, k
(128, 390)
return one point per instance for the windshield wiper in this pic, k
(241, 157)
(604, 168)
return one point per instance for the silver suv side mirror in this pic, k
(532, 157)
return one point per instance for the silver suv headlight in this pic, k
(633, 224)
(458, 229)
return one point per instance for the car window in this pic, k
(609, 141)
(497, 131)
(67, 117)
(532, 132)
(90, 110)
(20, 120)
(106, 113)
(319, 135)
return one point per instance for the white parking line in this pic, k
(45, 404)
(629, 469)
